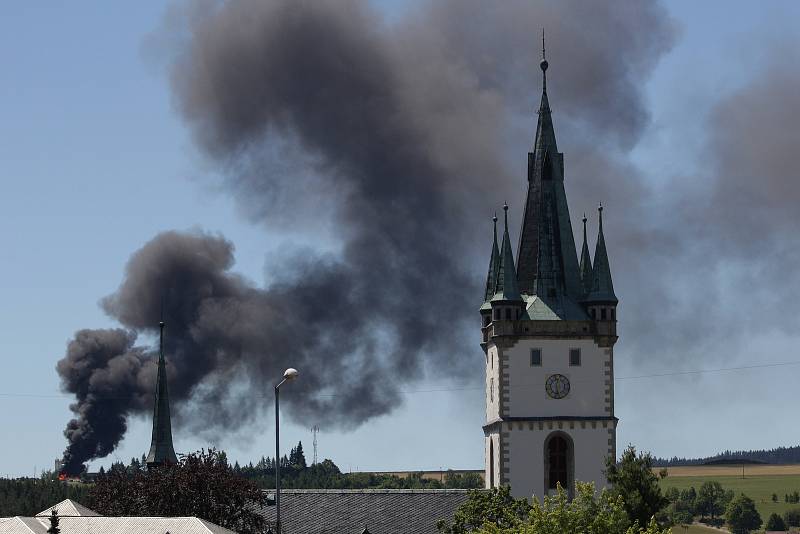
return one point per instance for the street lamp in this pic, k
(290, 374)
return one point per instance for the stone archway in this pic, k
(559, 462)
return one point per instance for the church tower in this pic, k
(548, 332)
(161, 449)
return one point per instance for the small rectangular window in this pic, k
(574, 357)
(497, 314)
(491, 390)
(602, 314)
(536, 357)
(508, 314)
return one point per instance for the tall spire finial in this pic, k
(543, 65)
(161, 340)
(505, 209)
(600, 212)
(543, 55)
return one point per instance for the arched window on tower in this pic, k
(547, 167)
(491, 463)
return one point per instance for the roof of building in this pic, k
(68, 507)
(602, 285)
(506, 287)
(494, 265)
(75, 518)
(585, 263)
(389, 511)
(538, 309)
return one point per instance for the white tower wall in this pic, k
(521, 417)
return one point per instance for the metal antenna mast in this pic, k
(315, 430)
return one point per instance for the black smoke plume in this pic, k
(391, 144)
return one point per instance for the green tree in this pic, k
(792, 517)
(776, 523)
(680, 510)
(28, 497)
(587, 513)
(633, 480)
(297, 458)
(774, 497)
(711, 499)
(201, 484)
(463, 480)
(495, 506)
(136, 465)
(742, 516)
(53, 523)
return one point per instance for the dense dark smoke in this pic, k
(391, 140)
(109, 377)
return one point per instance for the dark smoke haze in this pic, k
(398, 142)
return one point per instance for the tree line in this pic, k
(296, 473)
(778, 455)
(29, 496)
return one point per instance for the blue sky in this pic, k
(94, 162)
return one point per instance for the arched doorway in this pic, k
(491, 463)
(559, 462)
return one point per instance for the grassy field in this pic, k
(759, 483)
(731, 470)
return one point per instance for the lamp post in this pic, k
(289, 374)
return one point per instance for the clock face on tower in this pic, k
(557, 386)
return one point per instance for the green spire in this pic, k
(602, 286)
(586, 263)
(506, 287)
(494, 265)
(161, 449)
(547, 262)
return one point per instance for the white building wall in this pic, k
(593, 443)
(589, 384)
(492, 384)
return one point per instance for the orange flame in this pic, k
(62, 476)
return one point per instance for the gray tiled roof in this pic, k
(381, 511)
(111, 525)
(75, 518)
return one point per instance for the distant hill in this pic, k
(780, 455)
